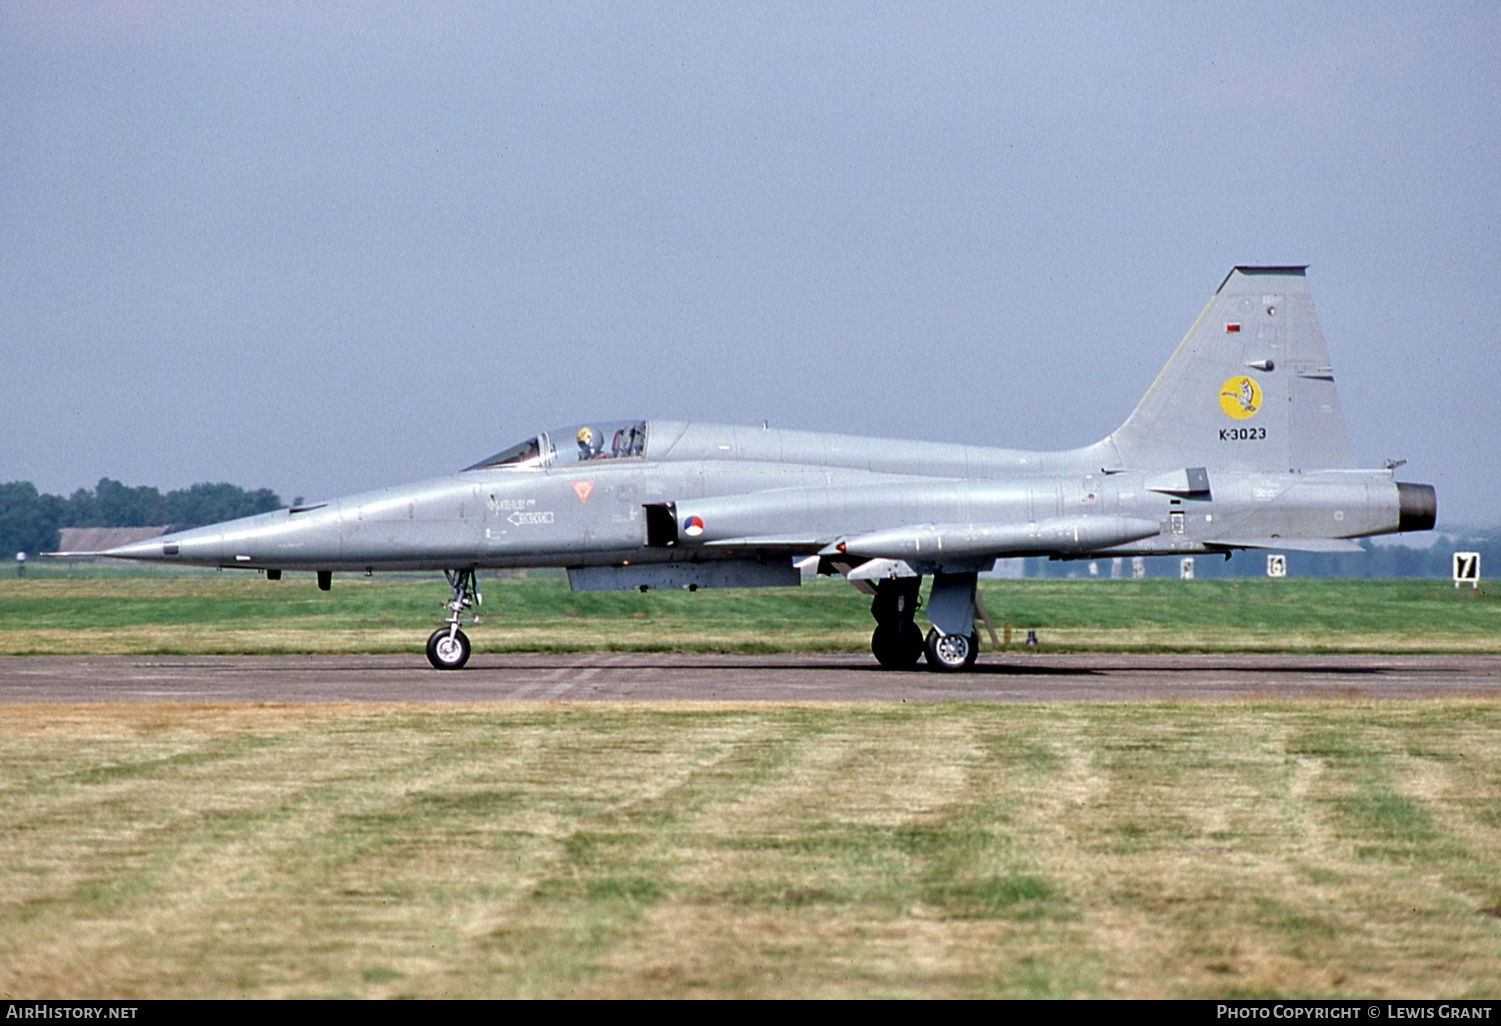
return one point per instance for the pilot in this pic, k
(588, 443)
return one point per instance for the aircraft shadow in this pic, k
(784, 664)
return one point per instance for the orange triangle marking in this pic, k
(582, 489)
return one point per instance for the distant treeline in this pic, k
(31, 521)
(1434, 560)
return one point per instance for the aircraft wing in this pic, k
(1288, 544)
(765, 543)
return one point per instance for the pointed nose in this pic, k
(280, 539)
(151, 548)
(203, 545)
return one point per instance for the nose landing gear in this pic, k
(448, 647)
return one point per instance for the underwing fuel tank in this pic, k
(1063, 535)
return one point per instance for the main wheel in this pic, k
(895, 599)
(949, 653)
(897, 646)
(445, 652)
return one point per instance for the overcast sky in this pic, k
(326, 247)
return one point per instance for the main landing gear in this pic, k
(951, 645)
(949, 653)
(897, 642)
(448, 647)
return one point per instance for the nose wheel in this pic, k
(448, 647)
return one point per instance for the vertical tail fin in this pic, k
(1250, 386)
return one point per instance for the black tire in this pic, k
(895, 600)
(951, 653)
(446, 654)
(897, 646)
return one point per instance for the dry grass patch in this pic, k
(939, 850)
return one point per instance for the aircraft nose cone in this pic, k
(277, 539)
(151, 548)
(196, 546)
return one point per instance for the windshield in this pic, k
(601, 440)
(522, 454)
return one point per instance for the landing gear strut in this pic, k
(897, 642)
(448, 647)
(953, 642)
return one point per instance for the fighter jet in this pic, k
(1239, 444)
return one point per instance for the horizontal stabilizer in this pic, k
(1289, 544)
(1189, 481)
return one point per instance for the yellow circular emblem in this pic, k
(1240, 397)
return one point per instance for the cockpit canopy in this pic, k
(577, 443)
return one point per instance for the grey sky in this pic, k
(326, 247)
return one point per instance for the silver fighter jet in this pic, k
(1239, 443)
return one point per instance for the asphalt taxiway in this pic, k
(592, 676)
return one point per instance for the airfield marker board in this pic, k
(1467, 569)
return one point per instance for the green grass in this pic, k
(1200, 850)
(227, 613)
